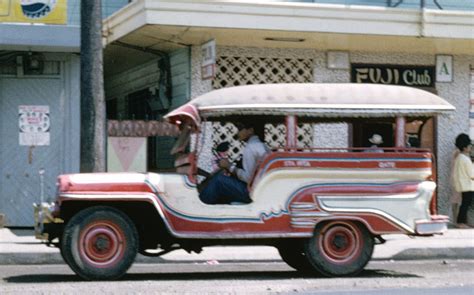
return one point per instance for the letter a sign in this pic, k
(444, 68)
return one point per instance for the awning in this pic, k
(317, 100)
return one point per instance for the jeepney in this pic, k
(322, 208)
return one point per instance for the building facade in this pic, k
(425, 44)
(39, 100)
(153, 62)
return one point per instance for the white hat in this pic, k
(376, 139)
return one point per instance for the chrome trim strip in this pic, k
(309, 214)
(303, 206)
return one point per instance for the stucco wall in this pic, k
(457, 93)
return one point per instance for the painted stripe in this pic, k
(262, 216)
(272, 161)
(376, 212)
(372, 211)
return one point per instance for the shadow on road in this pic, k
(181, 276)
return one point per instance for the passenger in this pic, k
(456, 197)
(219, 153)
(226, 189)
(376, 140)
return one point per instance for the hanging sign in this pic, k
(444, 68)
(34, 11)
(34, 125)
(415, 76)
(208, 60)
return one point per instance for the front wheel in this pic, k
(100, 243)
(340, 248)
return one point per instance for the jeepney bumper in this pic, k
(437, 224)
(47, 226)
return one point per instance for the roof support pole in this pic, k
(400, 132)
(291, 132)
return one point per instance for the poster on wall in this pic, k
(127, 154)
(34, 124)
(34, 11)
(208, 60)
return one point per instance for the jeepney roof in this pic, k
(315, 100)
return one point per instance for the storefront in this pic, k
(307, 43)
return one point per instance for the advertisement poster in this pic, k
(34, 124)
(208, 63)
(33, 11)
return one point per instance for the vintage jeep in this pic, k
(322, 208)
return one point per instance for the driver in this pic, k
(226, 188)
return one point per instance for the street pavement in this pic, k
(19, 246)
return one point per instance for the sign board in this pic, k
(415, 76)
(34, 124)
(127, 154)
(208, 60)
(444, 68)
(338, 60)
(34, 11)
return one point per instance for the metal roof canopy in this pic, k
(338, 100)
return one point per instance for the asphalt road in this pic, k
(380, 277)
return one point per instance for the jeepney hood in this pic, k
(110, 182)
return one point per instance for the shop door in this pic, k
(20, 164)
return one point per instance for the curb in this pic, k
(405, 255)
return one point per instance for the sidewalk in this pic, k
(20, 247)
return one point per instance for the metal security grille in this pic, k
(241, 70)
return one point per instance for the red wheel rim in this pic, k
(340, 243)
(102, 244)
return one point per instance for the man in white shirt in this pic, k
(226, 189)
(463, 177)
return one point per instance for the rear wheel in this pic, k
(293, 254)
(100, 243)
(340, 248)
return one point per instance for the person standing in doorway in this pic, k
(463, 177)
(376, 140)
